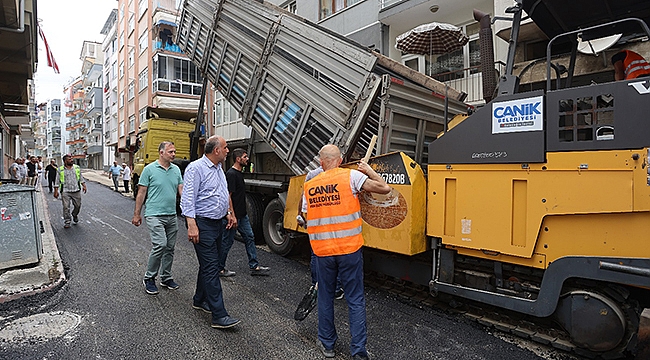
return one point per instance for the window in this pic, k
(121, 74)
(176, 75)
(142, 115)
(131, 90)
(131, 124)
(113, 70)
(223, 112)
(131, 26)
(131, 58)
(143, 79)
(142, 7)
(120, 40)
(329, 7)
(143, 41)
(121, 100)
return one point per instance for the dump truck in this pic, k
(535, 204)
(161, 125)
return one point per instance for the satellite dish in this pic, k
(593, 47)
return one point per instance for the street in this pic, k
(102, 312)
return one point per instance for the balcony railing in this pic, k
(468, 80)
(177, 87)
(167, 47)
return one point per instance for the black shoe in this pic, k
(339, 294)
(169, 284)
(307, 304)
(360, 357)
(75, 219)
(150, 286)
(225, 322)
(329, 353)
(203, 306)
(260, 271)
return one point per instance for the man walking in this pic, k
(50, 173)
(32, 170)
(114, 173)
(334, 228)
(159, 182)
(237, 190)
(126, 176)
(205, 202)
(70, 182)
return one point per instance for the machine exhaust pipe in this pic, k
(487, 54)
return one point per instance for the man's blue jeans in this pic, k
(246, 231)
(115, 182)
(350, 268)
(162, 230)
(208, 284)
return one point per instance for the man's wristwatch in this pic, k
(229, 212)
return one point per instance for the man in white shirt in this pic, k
(126, 176)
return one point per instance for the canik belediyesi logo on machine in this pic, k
(518, 115)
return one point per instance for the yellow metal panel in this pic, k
(450, 207)
(292, 207)
(569, 183)
(519, 211)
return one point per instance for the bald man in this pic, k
(334, 227)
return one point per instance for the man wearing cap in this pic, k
(126, 176)
(70, 183)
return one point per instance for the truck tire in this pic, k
(275, 235)
(255, 211)
(134, 185)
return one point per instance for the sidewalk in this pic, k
(48, 273)
(101, 177)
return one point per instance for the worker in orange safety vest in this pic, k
(629, 65)
(334, 225)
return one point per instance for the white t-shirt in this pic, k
(126, 175)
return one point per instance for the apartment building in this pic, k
(74, 125)
(39, 131)
(53, 137)
(19, 46)
(109, 47)
(92, 57)
(152, 71)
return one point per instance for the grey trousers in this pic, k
(66, 198)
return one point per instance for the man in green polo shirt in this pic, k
(159, 182)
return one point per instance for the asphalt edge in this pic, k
(56, 272)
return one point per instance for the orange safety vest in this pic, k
(635, 65)
(333, 214)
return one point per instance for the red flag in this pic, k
(50, 57)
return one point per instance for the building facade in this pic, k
(152, 71)
(53, 116)
(109, 46)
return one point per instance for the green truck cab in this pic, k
(161, 125)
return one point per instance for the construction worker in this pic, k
(629, 65)
(70, 182)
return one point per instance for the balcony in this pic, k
(469, 80)
(75, 142)
(158, 45)
(74, 126)
(96, 128)
(94, 149)
(177, 87)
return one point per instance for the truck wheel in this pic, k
(275, 235)
(134, 185)
(255, 211)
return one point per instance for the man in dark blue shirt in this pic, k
(237, 190)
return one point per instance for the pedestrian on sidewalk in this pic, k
(50, 173)
(70, 183)
(205, 202)
(14, 170)
(237, 190)
(159, 182)
(32, 171)
(23, 170)
(126, 176)
(334, 228)
(114, 173)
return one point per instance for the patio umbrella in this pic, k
(431, 39)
